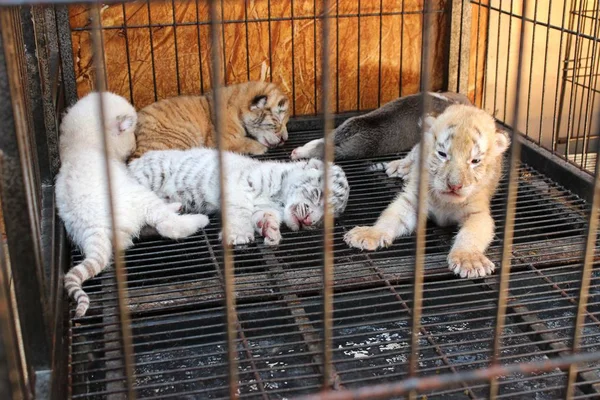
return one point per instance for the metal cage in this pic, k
(312, 318)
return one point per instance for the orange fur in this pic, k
(256, 115)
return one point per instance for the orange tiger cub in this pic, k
(256, 115)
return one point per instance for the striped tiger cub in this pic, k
(260, 194)
(256, 115)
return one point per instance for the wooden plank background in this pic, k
(162, 49)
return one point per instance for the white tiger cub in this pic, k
(260, 194)
(464, 158)
(82, 195)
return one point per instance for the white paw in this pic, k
(298, 153)
(267, 224)
(368, 238)
(398, 168)
(238, 238)
(470, 264)
(180, 226)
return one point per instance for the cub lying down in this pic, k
(464, 158)
(260, 194)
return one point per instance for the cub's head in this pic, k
(267, 113)
(304, 200)
(80, 128)
(465, 152)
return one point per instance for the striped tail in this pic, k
(97, 257)
(382, 166)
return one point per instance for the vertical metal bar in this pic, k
(509, 215)
(66, 54)
(152, 50)
(122, 291)
(293, 63)
(380, 49)
(200, 48)
(13, 379)
(544, 75)
(535, 11)
(506, 76)
(401, 70)
(358, 61)
(477, 51)
(229, 277)
(485, 57)
(460, 51)
(586, 273)
(589, 110)
(328, 215)
(426, 54)
(248, 43)
(270, 41)
(176, 49)
(337, 56)
(559, 96)
(126, 34)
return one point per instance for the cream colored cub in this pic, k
(464, 158)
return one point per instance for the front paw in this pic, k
(297, 154)
(398, 168)
(267, 224)
(470, 264)
(368, 238)
(238, 238)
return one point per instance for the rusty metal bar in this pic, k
(327, 214)
(121, 274)
(422, 212)
(219, 124)
(386, 391)
(509, 216)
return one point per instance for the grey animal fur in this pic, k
(392, 128)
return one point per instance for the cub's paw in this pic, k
(470, 264)
(238, 238)
(267, 225)
(181, 226)
(368, 238)
(309, 150)
(398, 168)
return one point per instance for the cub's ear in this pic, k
(258, 102)
(502, 141)
(429, 120)
(126, 122)
(282, 105)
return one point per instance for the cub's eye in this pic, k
(442, 154)
(475, 161)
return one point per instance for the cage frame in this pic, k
(39, 293)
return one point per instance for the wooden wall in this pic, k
(162, 49)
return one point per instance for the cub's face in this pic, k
(304, 205)
(267, 118)
(464, 152)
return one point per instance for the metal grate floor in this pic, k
(176, 303)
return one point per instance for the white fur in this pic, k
(260, 194)
(82, 194)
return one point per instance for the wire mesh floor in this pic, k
(176, 303)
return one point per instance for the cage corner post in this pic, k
(20, 208)
(459, 46)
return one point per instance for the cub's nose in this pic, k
(454, 188)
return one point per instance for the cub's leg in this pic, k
(240, 229)
(165, 218)
(466, 257)
(398, 219)
(312, 149)
(267, 223)
(401, 168)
